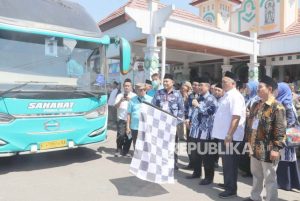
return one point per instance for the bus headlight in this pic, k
(6, 118)
(2, 142)
(100, 111)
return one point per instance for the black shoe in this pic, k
(193, 176)
(221, 186)
(248, 174)
(118, 153)
(205, 182)
(227, 195)
(188, 167)
(248, 199)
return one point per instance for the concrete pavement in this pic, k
(94, 174)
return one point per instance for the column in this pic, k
(216, 72)
(151, 51)
(269, 70)
(226, 68)
(253, 71)
(226, 65)
(151, 61)
(281, 73)
(200, 68)
(186, 69)
(253, 65)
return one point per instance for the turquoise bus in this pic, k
(53, 72)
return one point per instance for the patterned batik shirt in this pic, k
(266, 127)
(202, 117)
(170, 102)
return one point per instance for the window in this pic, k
(290, 57)
(280, 58)
(273, 59)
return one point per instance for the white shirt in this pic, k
(122, 110)
(112, 98)
(232, 103)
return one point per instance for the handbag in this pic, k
(293, 133)
(293, 136)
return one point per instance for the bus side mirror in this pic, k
(125, 57)
(125, 51)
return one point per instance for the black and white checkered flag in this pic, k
(153, 158)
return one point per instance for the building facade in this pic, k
(250, 37)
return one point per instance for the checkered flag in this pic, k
(153, 158)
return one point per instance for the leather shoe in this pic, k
(188, 167)
(193, 176)
(205, 182)
(221, 186)
(248, 199)
(227, 195)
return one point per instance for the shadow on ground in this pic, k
(132, 186)
(47, 160)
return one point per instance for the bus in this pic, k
(53, 74)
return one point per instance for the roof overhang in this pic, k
(196, 2)
(198, 37)
(280, 45)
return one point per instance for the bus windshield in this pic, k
(43, 64)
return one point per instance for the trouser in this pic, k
(264, 171)
(197, 160)
(201, 156)
(216, 156)
(128, 142)
(176, 149)
(121, 134)
(188, 140)
(112, 114)
(209, 163)
(230, 167)
(244, 162)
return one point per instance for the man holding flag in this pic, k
(171, 101)
(153, 158)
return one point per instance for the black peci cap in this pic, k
(218, 85)
(269, 81)
(231, 75)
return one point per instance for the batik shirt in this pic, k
(202, 117)
(170, 102)
(266, 127)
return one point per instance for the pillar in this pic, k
(269, 70)
(253, 65)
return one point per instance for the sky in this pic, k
(99, 9)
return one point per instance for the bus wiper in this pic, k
(23, 85)
(96, 95)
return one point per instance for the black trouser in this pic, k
(209, 162)
(230, 167)
(128, 142)
(244, 162)
(201, 155)
(175, 153)
(216, 158)
(197, 160)
(188, 140)
(121, 134)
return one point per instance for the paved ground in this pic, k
(94, 174)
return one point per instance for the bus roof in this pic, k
(52, 15)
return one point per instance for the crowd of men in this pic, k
(225, 114)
